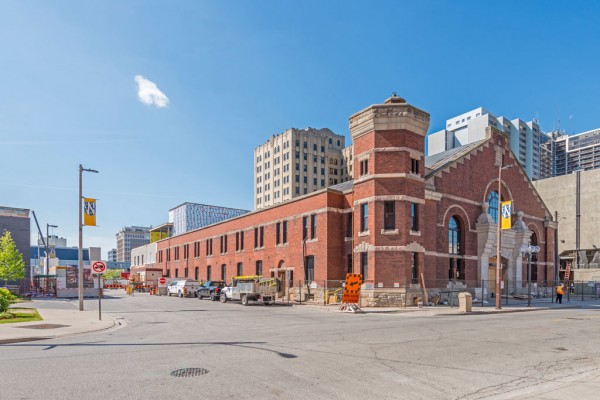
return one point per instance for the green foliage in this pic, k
(20, 315)
(12, 266)
(4, 303)
(112, 274)
(6, 297)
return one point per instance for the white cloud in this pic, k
(571, 116)
(149, 94)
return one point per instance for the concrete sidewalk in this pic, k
(476, 309)
(59, 319)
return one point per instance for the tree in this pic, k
(12, 266)
(112, 274)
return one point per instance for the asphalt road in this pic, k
(283, 352)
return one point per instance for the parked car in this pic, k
(211, 289)
(183, 288)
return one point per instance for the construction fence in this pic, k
(442, 293)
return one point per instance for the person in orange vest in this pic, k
(559, 293)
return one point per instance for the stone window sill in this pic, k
(365, 233)
(415, 233)
(348, 239)
(390, 231)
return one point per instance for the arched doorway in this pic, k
(284, 278)
(456, 269)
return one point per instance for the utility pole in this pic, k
(577, 217)
(556, 257)
(80, 267)
(499, 239)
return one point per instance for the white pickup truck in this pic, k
(183, 288)
(250, 288)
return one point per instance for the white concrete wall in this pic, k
(559, 195)
(436, 142)
(148, 252)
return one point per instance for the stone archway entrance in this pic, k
(512, 262)
(285, 275)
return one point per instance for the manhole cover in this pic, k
(43, 326)
(189, 372)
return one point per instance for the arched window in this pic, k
(493, 201)
(454, 236)
(455, 265)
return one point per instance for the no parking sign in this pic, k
(98, 267)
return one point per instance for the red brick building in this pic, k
(403, 215)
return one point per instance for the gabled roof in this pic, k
(438, 161)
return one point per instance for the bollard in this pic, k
(465, 302)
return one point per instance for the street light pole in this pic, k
(499, 239)
(80, 267)
(46, 266)
(528, 279)
(529, 250)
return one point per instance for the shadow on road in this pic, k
(247, 345)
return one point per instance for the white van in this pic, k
(183, 288)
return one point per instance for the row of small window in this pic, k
(305, 144)
(315, 158)
(333, 171)
(463, 120)
(286, 156)
(258, 270)
(414, 166)
(281, 237)
(286, 191)
(389, 217)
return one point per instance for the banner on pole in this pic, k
(89, 212)
(506, 214)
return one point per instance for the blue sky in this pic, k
(236, 72)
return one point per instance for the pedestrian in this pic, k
(559, 293)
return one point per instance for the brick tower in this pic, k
(389, 191)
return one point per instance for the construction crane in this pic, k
(41, 235)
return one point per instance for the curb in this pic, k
(438, 311)
(58, 336)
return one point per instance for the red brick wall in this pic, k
(473, 179)
(470, 181)
(327, 247)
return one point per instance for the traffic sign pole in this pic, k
(99, 299)
(99, 267)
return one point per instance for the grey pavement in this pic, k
(60, 318)
(284, 352)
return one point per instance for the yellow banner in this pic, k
(506, 214)
(89, 212)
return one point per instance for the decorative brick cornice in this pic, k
(392, 115)
(398, 175)
(413, 153)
